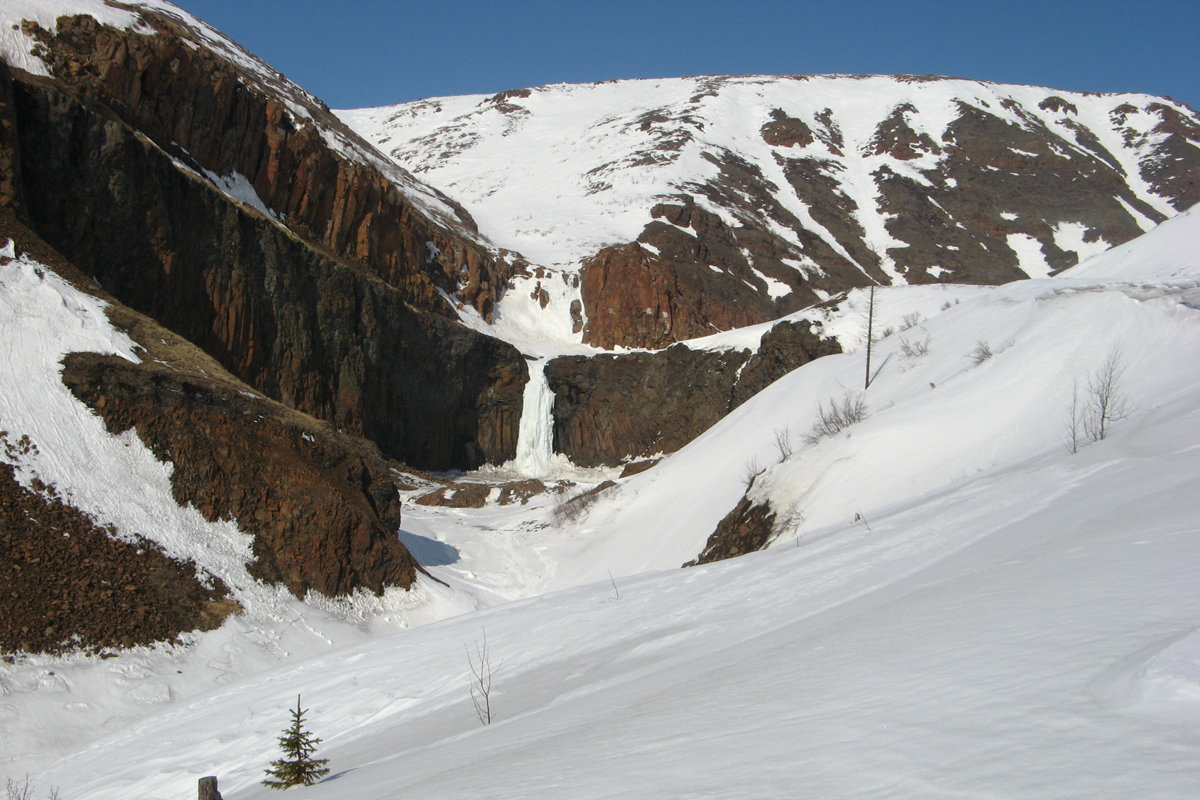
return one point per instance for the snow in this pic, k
(572, 168)
(1030, 258)
(953, 605)
(1071, 236)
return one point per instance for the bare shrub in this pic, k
(783, 443)
(23, 790)
(912, 348)
(886, 332)
(981, 353)
(752, 471)
(1074, 423)
(946, 305)
(910, 321)
(571, 509)
(1089, 417)
(840, 415)
(481, 680)
(1105, 402)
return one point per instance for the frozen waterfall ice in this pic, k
(535, 437)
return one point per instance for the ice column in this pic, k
(535, 437)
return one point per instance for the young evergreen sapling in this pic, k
(297, 767)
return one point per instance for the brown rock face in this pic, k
(745, 529)
(610, 408)
(321, 506)
(69, 584)
(785, 131)
(10, 158)
(203, 109)
(690, 280)
(321, 334)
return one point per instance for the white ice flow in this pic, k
(535, 436)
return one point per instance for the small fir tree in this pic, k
(297, 767)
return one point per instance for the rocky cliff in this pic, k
(251, 222)
(610, 408)
(320, 504)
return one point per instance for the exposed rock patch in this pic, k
(634, 405)
(465, 494)
(321, 507)
(69, 584)
(745, 529)
(785, 131)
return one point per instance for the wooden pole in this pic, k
(870, 336)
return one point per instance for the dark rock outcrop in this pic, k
(69, 584)
(745, 529)
(321, 506)
(610, 408)
(687, 276)
(475, 495)
(321, 334)
(223, 117)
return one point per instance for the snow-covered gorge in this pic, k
(955, 604)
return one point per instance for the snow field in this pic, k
(1003, 619)
(572, 168)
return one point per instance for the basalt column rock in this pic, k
(228, 118)
(321, 334)
(321, 506)
(610, 408)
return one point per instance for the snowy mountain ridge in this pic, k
(608, 161)
(813, 184)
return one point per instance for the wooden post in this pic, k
(208, 789)
(870, 335)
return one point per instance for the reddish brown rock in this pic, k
(692, 280)
(319, 333)
(745, 529)
(610, 408)
(321, 506)
(785, 131)
(214, 115)
(68, 584)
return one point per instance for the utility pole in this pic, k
(870, 336)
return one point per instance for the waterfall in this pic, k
(535, 437)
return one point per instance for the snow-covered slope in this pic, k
(560, 171)
(954, 603)
(758, 195)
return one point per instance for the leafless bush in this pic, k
(1089, 418)
(783, 443)
(481, 680)
(912, 348)
(752, 471)
(570, 509)
(1105, 402)
(946, 305)
(840, 415)
(910, 321)
(23, 790)
(981, 353)
(1074, 424)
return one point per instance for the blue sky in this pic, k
(358, 53)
